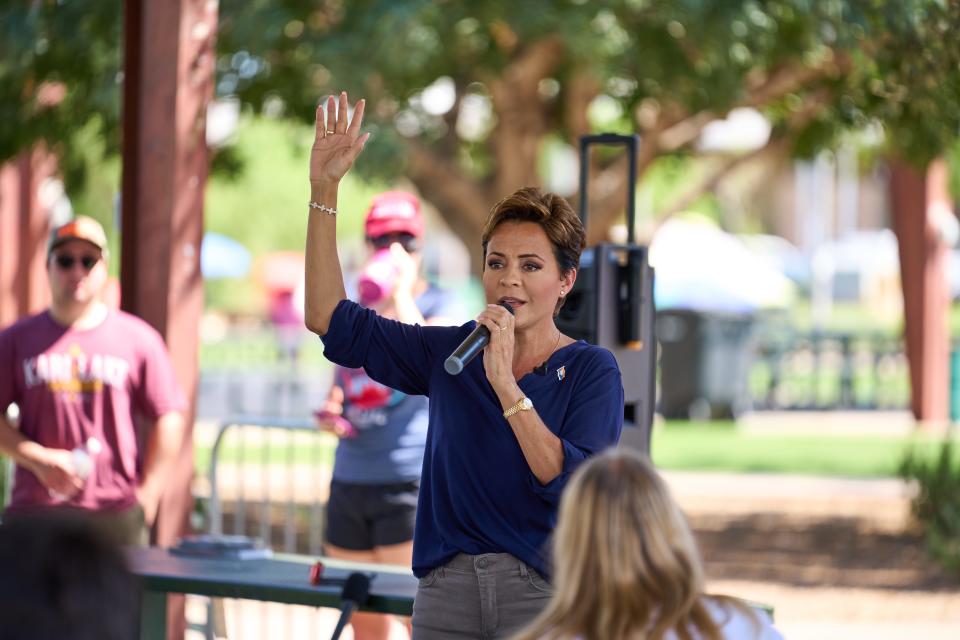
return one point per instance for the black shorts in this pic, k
(363, 516)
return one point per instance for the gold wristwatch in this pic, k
(523, 404)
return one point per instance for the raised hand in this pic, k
(337, 140)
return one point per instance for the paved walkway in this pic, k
(838, 423)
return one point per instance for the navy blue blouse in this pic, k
(477, 493)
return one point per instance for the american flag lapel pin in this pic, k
(561, 373)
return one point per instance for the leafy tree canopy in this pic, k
(516, 75)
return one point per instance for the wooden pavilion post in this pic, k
(168, 82)
(24, 225)
(917, 199)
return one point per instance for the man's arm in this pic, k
(53, 467)
(164, 440)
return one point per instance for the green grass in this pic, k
(677, 445)
(319, 451)
(720, 446)
(694, 446)
(258, 350)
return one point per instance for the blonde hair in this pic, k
(624, 559)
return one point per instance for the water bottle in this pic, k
(377, 278)
(82, 458)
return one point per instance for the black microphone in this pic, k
(470, 347)
(356, 592)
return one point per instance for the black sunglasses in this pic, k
(67, 262)
(407, 241)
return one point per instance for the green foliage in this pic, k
(669, 175)
(59, 72)
(860, 61)
(695, 55)
(264, 205)
(937, 503)
(953, 162)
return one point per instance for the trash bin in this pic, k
(704, 361)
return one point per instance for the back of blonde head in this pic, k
(625, 563)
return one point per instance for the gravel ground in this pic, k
(836, 558)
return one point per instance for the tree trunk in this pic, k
(463, 203)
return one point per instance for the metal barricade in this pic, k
(268, 478)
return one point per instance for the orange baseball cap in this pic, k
(80, 228)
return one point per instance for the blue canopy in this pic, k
(223, 257)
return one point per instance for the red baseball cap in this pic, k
(394, 212)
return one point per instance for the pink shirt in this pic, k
(71, 385)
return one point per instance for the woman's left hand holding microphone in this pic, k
(498, 356)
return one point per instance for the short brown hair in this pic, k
(554, 215)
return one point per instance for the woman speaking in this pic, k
(506, 433)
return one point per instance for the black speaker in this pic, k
(611, 303)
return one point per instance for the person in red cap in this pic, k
(86, 378)
(376, 474)
(394, 214)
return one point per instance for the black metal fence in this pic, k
(735, 361)
(821, 370)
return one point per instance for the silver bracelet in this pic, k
(330, 211)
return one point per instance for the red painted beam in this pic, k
(24, 224)
(168, 82)
(915, 197)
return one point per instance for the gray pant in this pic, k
(492, 595)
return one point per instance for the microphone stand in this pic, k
(356, 592)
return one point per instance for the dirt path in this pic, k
(836, 558)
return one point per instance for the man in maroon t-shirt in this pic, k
(84, 377)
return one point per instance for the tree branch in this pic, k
(522, 114)
(761, 90)
(773, 146)
(449, 190)
(579, 92)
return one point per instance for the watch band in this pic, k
(523, 404)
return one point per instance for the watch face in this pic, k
(527, 403)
